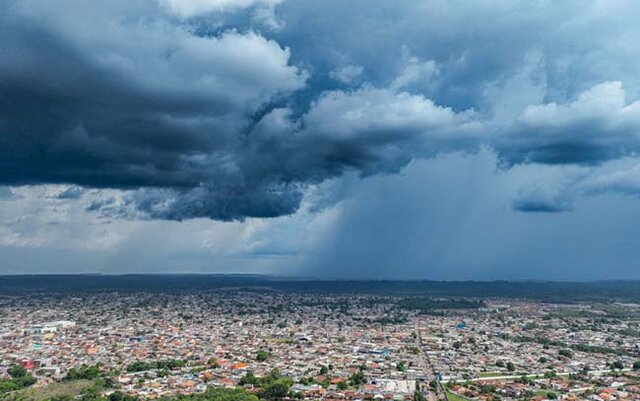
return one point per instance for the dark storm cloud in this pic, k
(232, 111)
(192, 151)
(68, 116)
(535, 204)
(73, 112)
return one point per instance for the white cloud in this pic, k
(37, 220)
(159, 54)
(384, 113)
(624, 180)
(347, 74)
(415, 72)
(598, 125)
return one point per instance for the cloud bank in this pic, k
(198, 109)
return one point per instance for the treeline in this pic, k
(437, 306)
(389, 319)
(594, 349)
(560, 292)
(140, 366)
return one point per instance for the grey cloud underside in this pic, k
(66, 120)
(228, 124)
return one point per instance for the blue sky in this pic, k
(432, 139)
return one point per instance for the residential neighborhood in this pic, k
(333, 347)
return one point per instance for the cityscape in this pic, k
(319, 200)
(274, 344)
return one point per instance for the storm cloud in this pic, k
(234, 109)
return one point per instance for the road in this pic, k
(533, 376)
(428, 369)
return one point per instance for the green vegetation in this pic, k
(357, 379)
(117, 396)
(566, 353)
(218, 394)
(262, 355)
(84, 373)
(437, 306)
(454, 397)
(552, 395)
(576, 347)
(490, 374)
(55, 391)
(395, 319)
(20, 379)
(272, 387)
(418, 395)
(140, 366)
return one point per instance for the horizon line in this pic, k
(311, 278)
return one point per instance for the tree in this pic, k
(277, 389)
(225, 394)
(511, 367)
(16, 371)
(636, 365)
(617, 365)
(20, 378)
(120, 396)
(61, 397)
(342, 385)
(417, 394)
(357, 379)
(25, 381)
(249, 378)
(139, 366)
(84, 372)
(324, 370)
(566, 353)
(262, 355)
